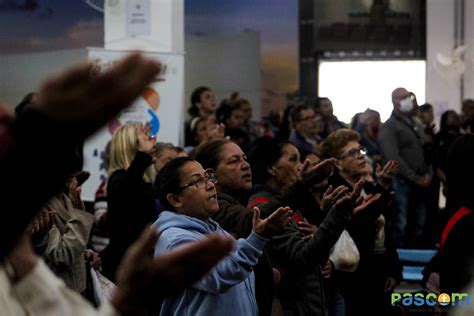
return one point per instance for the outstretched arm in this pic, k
(69, 107)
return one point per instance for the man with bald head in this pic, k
(401, 138)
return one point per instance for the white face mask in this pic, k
(406, 105)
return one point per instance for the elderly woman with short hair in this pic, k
(379, 268)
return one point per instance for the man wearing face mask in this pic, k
(401, 138)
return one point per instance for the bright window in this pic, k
(354, 86)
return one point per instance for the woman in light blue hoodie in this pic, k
(189, 196)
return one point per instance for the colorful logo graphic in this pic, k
(429, 299)
(153, 99)
(154, 123)
(149, 101)
(444, 299)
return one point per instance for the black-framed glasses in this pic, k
(201, 182)
(355, 152)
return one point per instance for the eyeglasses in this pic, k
(355, 152)
(304, 119)
(201, 182)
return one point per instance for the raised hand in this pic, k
(214, 130)
(386, 174)
(312, 175)
(87, 101)
(365, 203)
(332, 195)
(217, 131)
(273, 224)
(234, 97)
(142, 278)
(146, 142)
(42, 223)
(81, 176)
(307, 228)
(75, 194)
(354, 196)
(355, 202)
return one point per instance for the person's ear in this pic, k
(272, 170)
(174, 200)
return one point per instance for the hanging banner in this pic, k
(159, 105)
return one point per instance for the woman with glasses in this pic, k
(379, 268)
(188, 194)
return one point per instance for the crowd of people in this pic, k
(290, 216)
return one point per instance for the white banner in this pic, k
(161, 105)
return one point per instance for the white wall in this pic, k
(445, 93)
(469, 40)
(21, 74)
(165, 21)
(225, 64)
(442, 93)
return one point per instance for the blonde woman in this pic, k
(131, 202)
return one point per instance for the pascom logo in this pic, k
(430, 299)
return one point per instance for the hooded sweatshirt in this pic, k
(229, 288)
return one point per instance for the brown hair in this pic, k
(209, 153)
(195, 99)
(240, 102)
(333, 144)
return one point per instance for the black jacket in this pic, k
(288, 248)
(373, 269)
(302, 292)
(457, 257)
(32, 134)
(131, 206)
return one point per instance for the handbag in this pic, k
(345, 255)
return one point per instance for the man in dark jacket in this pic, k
(401, 138)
